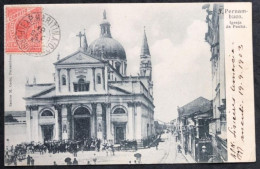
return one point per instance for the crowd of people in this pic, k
(22, 151)
(19, 152)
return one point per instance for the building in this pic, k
(92, 95)
(215, 38)
(193, 129)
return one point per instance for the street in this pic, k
(166, 153)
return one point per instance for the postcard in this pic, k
(102, 84)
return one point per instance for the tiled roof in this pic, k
(198, 105)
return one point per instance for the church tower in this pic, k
(145, 62)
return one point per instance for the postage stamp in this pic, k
(30, 31)
(23, 30)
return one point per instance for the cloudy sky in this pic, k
(175, 32)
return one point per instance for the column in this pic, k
(104, 124)
(130, 120)
(138, 119)
(108, 121)
(35, 121)
(94, 119)
(58, 70)
(99, 121)
(94, 78)
(69, 119)
(68, 75)
(58, 107)
(103, 77)
(28, 123)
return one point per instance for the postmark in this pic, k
(30, 31)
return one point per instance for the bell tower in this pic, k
(145, 62)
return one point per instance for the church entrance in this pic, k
(81, 124)
(119, 133)
(82, 128)
(47, 132)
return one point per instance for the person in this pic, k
(130, 162)
(28, 160)
(32, 161)
(179, 148)
(113, 149)
(95, 159)
(88, 162)
(98, 144)
(54, 163)
(15, 161)
(75, 162)
(156, 144)
(204, 154)
(186, 149)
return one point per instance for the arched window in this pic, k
(63, 80)
(47, 113)
(81, 81)
(81, 111)
(119, 111)
(98, 79)
(81, 86)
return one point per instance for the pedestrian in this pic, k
(179, 148)
(204, 154)
(88, 162)
(28, 160)
(15, 161)
(95, 159)
(75, 162)
(156, 145)
(54, 163)
(32, 161)
(113, 149)
(98, 144)
(130, 162)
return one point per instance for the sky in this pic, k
(175, 32)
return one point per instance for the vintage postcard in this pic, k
(99, 84)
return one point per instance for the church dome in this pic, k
(107, 48)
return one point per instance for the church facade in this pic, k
(92, 96)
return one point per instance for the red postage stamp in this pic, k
(23, 30)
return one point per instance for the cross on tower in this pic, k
(80, 35)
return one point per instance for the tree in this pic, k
(10, 118)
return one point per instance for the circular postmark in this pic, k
(38, 34)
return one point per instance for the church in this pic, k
(92, 96)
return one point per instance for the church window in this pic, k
(81, 86)
(63, 80)
(118, 66)
(119, 111)
(98, 79)
(47, 113)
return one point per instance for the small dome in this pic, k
(107, 48)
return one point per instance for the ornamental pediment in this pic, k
(77, 58)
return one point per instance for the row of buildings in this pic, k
(201, 124)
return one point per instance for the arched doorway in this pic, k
(47, 128)
(81, 124)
